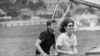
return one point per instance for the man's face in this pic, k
(53, 26)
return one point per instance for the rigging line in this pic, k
(62, 18)
(55, 9)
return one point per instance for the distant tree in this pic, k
(13, 1)
(64, 5)
(37, 5)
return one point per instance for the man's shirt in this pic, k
(47, 40)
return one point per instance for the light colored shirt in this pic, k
(65, 42)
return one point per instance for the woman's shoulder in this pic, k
(62, 34)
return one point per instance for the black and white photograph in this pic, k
(49, 27)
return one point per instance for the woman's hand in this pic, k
(72, 46)
(44, 54)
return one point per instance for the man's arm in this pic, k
(54, 47)
(37, 45)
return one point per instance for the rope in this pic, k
(55, 9)
(62, 18)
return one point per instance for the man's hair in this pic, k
(49, 22)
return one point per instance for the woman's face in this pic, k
(70, 27)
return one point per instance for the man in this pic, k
(46, 39)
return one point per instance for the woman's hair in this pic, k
(65, 24)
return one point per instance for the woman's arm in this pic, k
(59, 43)
(75, 41)
(59, 50)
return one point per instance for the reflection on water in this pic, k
(87, 22)
(16, 47)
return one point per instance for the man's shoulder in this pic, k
(43, 35)
(44, 32)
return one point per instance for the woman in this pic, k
(66, 42)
